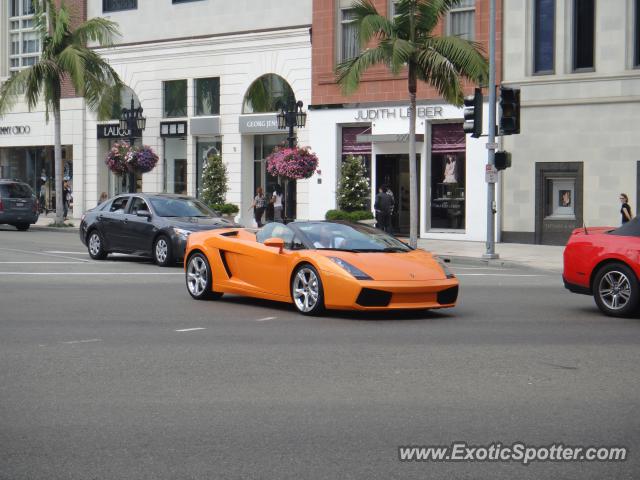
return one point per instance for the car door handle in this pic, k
(125, 221)
(99, 217)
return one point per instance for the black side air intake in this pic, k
(450, 295)
(373, 298)
(223, 257)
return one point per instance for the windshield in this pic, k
(15, 190)
(350, 237)
(180, 207)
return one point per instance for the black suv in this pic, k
(18, 204)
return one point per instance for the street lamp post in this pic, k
(290, 117)
(131, 119)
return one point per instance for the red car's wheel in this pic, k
(615, 290)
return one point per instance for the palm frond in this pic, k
(40, 17)
(466, 56)
(370, 24)
(61, 26)
(12, 89)
(99, 30)
(430, 12)
(71, 60)
(349, 72)
(440, 72)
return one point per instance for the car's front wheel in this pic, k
(199, 279)
(95, 245)
(306, 290)
(162, 253)
(615, 290)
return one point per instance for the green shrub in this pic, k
(226, 208)
(214, 181)
(355, 216)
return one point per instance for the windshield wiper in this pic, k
(379, 250)
(337, 249)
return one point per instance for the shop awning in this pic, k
(448, 138)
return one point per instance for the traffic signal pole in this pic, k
(491, 144)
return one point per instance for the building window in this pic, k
(560, 198)
(183, 1)
(175, 98)
(636, 49)
(116, 5)
(24, 42)
(583, 34)
(206, 147)
(207, 92)
(349, 45)
(544, 35)
(269, 93)
(393, 8)
(461, 21)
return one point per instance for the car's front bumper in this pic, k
(341, 293)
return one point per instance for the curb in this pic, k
(46, 228)
(475, 261)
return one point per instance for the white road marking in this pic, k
(68, 253)
(499, 275)
(44, 254)
(45, 263)
(266, 319)
(190, 329)
(91, 340)
(89, 273)
(473, 268)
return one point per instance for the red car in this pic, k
(605, 262)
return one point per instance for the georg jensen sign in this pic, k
(15, 130)
(259, 123)
(397, 112)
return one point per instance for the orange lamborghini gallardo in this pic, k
(317, 265)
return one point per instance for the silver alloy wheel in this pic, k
(162, 249)
(306, 289)
(94, 244)
(614, 290)
(197, 276)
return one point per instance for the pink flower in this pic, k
(294, 163)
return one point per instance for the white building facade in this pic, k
(577, 64)
(194, 67)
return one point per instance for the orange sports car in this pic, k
(317, 265)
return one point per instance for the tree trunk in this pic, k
(413, 180)
(57, 161)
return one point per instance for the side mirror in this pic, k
(144, 213)
(275, 242)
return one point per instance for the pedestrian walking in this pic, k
(277, 199)
(259, 206)
(625, 209)
(103, 198)
(383, 207)
(66, 198)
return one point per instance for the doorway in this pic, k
(392, 170)
(263, 146)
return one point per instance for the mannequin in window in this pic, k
(450, 172)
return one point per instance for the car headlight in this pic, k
(355, 271)
(181, 232)
(448, 273)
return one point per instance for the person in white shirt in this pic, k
(278, 204)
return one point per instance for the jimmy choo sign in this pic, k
(397, 112)
(15, 130)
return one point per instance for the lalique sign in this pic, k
(114, 131)
(15, 130)
(398, 112)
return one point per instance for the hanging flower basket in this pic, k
(292, 163)
(123, 159)
(141, 159)
(116, 158)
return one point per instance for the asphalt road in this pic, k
(98, 382)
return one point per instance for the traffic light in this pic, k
(510, 108)
(473, 114)
(502, 160)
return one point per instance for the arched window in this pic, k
(126, 94)
(267, 94)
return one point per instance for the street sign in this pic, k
(492, 146)
(491, 174)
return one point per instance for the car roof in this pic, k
(155, 195)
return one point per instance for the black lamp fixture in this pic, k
(131, 119)
(292, 116)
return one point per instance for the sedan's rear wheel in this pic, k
(615, 290)
(23, 227)
(162, 253)
(306, 290)
(199, 280)
(95, 245)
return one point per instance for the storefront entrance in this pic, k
(263, 146)
(392, 171)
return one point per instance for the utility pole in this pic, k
(491, 172)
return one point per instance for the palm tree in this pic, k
(407, 43)
(65, 57)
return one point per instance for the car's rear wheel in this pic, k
(23, 227)
(95, 245)
(162, 253)
(199, 278)
(306, 290)
(615, 290)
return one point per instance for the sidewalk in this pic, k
(44, 221)
(547, 257)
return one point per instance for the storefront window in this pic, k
(352, 147)
(175, 98)
(175, 165)
(263, 146)
(448, 164)
(207, 91)
(560, 198)
(205, 148)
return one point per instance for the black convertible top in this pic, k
(629, 229)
